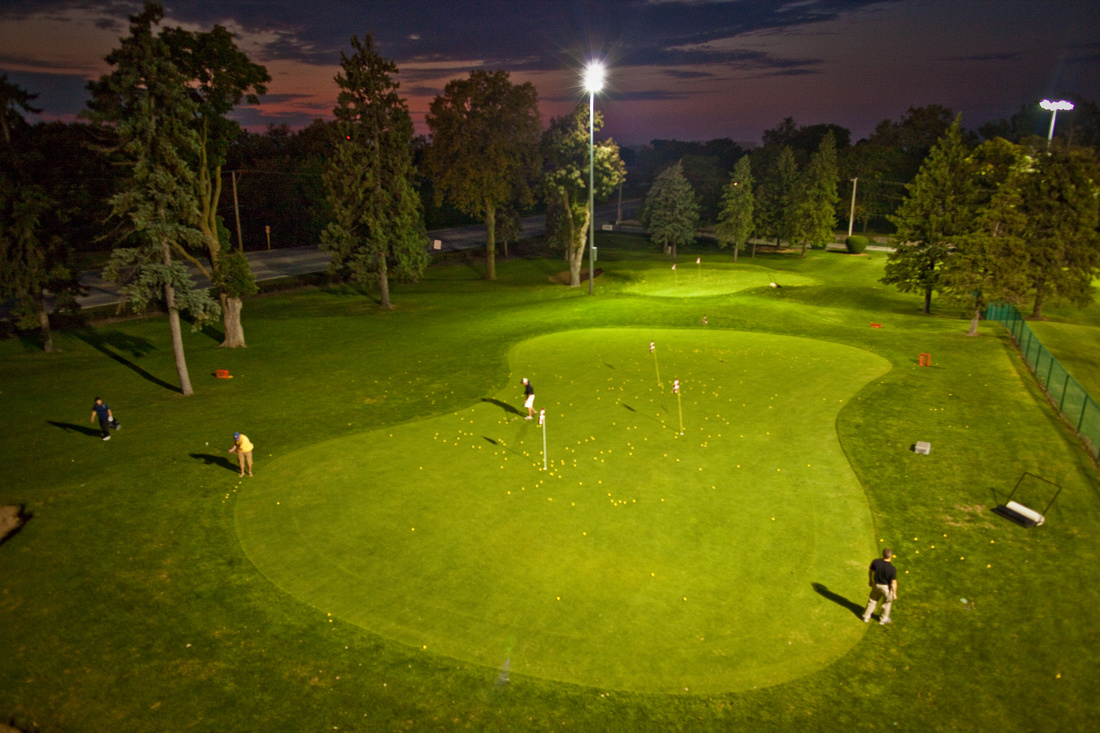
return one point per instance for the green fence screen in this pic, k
(1072, 400)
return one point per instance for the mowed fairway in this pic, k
(710, 278)
(643, 559)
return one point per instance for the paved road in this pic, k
(291, 261)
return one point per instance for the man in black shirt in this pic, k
(883, 579)
(529, 399)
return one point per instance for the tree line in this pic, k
(150, 171)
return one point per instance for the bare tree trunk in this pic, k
(177, 334)
(384, 282)
(735, 248)
(927, 301)
(490, 242)
(754, 249)
(1037, 309)
(803, 255)
(974, 322)
(574, 252)
(44, 324)
(231, 320)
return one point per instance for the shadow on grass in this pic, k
(502, 405)
(212, 460)
(838, 599)
(110, 343)
(72, 427)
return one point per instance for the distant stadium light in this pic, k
(1053, 108)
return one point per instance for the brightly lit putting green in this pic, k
(643, 559)
(692, 280)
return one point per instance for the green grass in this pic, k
(614, 566)
(130, 603)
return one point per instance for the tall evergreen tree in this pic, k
(933, 215)
(376, 227)
(34, 257)
(776, 199)
(565, 182)
(145, 96)
(15, 101)
(484, 153)
(670, 212)
(1060, 198)
(985, 264)
(815, 211)
(735, 219)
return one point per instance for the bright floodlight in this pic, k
(1061, 104)
(593, 77)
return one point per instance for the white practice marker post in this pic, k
(679, 403)
(653, 350)
(542, 424)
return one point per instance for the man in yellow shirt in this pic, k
(242, 446)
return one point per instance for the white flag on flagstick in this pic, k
(704, 320)
(652, 346)
(674, 267)
(542, 417)
(698, 260)
(676, 386)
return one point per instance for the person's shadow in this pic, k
(503, 405)
(72, 427)
(838, 599)
(212, 460)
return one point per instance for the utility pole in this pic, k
(852, 214)
(236, 210)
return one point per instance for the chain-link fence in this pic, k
(1072, 400)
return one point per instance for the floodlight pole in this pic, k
(592, 191)
(1053, 108)
(593, 82)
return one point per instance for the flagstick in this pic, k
(542, 424)
(679, 404)
(677, 275)
(699, 267)
(653, 350)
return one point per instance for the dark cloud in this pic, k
(422, 91)
(790, 72)
(8, 60)
(282, 98)
(535, 35)
(58, 94)
(649, 95)
(1002, 56)
(111, 24)
(682, 74)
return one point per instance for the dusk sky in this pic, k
(683, 69)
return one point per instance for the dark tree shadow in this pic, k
(503, 405)
(212, 460)
(838, 599)
(110, 343)
(73, 427)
